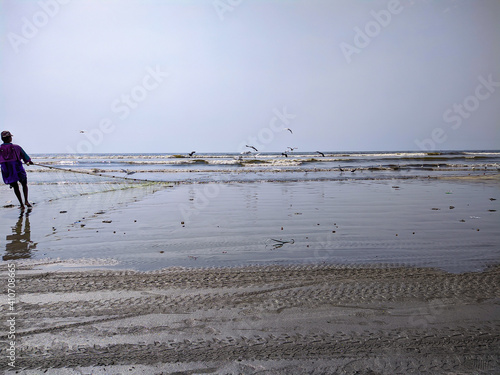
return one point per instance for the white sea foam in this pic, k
(205, 167)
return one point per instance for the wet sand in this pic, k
(372, 277)
(448, 224)
(253, 320)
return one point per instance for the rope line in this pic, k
(83, 186)
(98, 174)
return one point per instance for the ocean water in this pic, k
(438, 209)
(271, 167)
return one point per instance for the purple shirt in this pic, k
(10, 159)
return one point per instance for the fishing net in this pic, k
(48, 183)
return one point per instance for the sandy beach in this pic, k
(229, 187)
(254, 320)
(451, 224)
(317, 277)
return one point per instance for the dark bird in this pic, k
(251, 147)
(82, 131)
(284, 154)
(319, 152)
(340, 168)
(292, 148)
(128, 172)
(290, 130)
(192, 153)
(353, 170)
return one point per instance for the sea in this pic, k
(270, 167)
(151, 211)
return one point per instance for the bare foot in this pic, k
(28, 204)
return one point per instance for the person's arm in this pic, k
(26, 157)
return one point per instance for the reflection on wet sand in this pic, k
(18, 244)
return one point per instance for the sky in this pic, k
(174, 76)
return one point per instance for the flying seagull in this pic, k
(82, 131)
(284, 154)
(251, 147)
(290, 130)
(292, 148)
(128, 172)
(319, 152)
(191, 153)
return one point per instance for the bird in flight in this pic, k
(82, 131)
(319, 152)
(251, 147)
(192, 153)
(128, 172)
(291, 148)
(285, 154)
(290, 130)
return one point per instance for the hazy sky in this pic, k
(214, 75)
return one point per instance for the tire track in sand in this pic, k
(347, 318)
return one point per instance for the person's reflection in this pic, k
(19, 244)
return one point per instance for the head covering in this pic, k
(6, 134)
